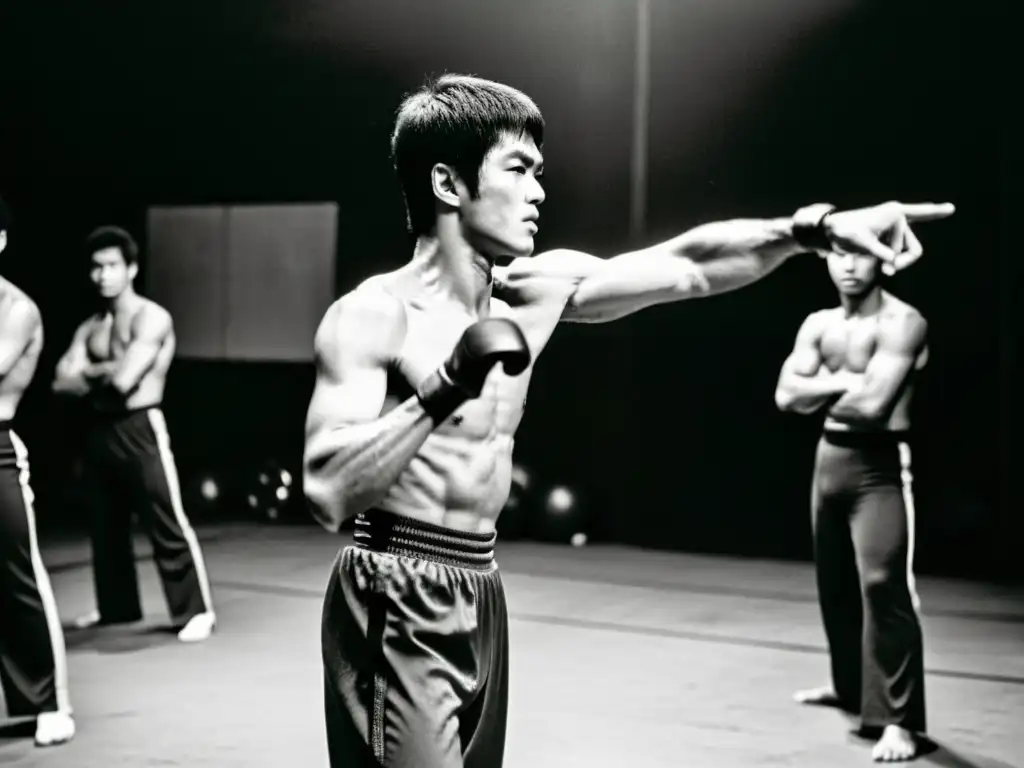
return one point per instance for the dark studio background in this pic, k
(665, 421)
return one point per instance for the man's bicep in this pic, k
(352, 344)
(559, 264)
(805, 357)
(552, 276)
(346, 395)
(152, 329)
(17, 333)
(896, 354)
(76, 356)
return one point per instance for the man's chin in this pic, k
(504, 251)
(522, 251)
(852, 289)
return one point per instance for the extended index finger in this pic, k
(927, 211)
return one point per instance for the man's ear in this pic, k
(3, 239)
(445, 182)
(133, 270)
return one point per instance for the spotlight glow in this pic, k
(209, 490)
(561, 499)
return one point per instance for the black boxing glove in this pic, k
(484, 345)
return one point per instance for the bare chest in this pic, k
(108, 338)
(850, 343)
(498, 410)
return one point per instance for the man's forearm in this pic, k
(92, 377)
(854, 408)
(732, 254)
(124, 381)
(349, 469)
(806, 394)
(712, 258)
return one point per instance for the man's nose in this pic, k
(536, 194)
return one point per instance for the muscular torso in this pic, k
(18, 378)
(848, 343)
(461, 476)
(108, 336)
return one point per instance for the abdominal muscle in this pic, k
(455, 482)
(461, 476)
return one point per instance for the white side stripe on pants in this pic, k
(57, 647)
(163, 441)
(906, 480)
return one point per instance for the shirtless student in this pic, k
(118, 363)
(859, 362)
(33, 658)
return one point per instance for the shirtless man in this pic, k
(33, 661)
(858, 362)
(118, 363)
(415, 440)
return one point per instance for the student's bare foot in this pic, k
(199, 628)
(54, 728)
(897, 745)
(818, 697)
(87, 620)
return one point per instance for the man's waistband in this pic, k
(381, 531)
(115, 416)
(854, 439)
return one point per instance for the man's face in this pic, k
(109, 272)
(853, 274)
(502, 219)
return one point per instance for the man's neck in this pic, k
(453, 269)
(865, 305)
(121, 304)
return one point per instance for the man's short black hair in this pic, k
(456, 120)
(112, 237)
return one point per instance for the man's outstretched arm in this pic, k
(722, 256)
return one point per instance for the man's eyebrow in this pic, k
(530, 160)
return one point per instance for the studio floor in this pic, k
(620, 657)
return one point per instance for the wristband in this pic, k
(808, 227)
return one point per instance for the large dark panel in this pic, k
(186, 273)
(279, 280)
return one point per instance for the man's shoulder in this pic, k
(18, 307)
(901, 314)
(902, 326)
(378, 297)
(370, 314)
(820, 319)
(151, 312)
